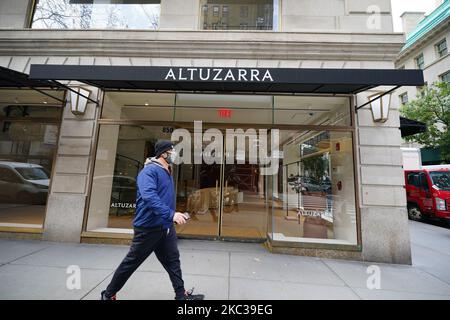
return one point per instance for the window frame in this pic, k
(421, 65)
(404, 94)
(276, 12)
(443, 75)
(441, 53)
(357, 247)
(57, 121)
(9, 176)
(216, 12)
(225, 10)
(412, 178)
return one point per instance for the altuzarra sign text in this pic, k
(219, 74)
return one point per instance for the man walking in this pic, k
(153, 225)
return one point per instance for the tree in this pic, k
(432, 107)
(62, 14)
(317, 166)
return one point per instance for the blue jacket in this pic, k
(155, 203)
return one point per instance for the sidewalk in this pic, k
(225, 270)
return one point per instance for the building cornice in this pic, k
(424, 41)
(439, 16)
(202, 44)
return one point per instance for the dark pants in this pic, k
(145, 241)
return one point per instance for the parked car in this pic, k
(303, 184)
(23, 183)
(428, 192)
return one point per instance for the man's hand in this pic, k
(179, 218)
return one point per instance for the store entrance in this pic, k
(308, 193)
(224, 199)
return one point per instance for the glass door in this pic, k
(198, 192)
(225, 200)
(245, 201)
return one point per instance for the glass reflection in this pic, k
(239, 15)
(318, 200)
(27, 151)
(92, 14)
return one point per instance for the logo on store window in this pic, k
(123, 205)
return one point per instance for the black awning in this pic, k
(13, 79)
(409, 127)
(270, 80)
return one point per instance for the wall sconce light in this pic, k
(78, 103)
(380, 106)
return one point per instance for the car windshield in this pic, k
(441, 179)
(32, 173)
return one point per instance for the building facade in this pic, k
(426, 48)
(69, 164)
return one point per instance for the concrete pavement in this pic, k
(225, 270)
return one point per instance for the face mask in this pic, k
(171, 158)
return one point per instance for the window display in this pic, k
(318, 198)
(223, 181)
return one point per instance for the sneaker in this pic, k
(105, 297)
(189, 295)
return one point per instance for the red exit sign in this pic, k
(225, 113)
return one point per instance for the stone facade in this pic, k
(434, 65)
(68, 193)
(314, 34)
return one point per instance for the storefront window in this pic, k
(222, 108)
(132, 106)
(28, 141)
(314, 191)
(233, 15)
(312, 110)
(308, 195)
(216, 108)
(96, 14)
(121, 154)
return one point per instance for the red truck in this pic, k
(428, 192)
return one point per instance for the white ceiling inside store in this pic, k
(245, 108)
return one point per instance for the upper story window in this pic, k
(93, 14)
(224, 10)
(239, 15)
(420, 62)
(445, 77)
(404, 98)
(216, 11)
(441, 48)
(244, 11)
